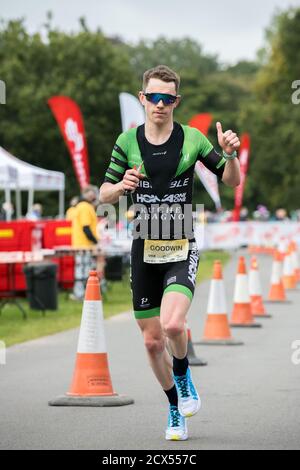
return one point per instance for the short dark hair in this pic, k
(164, 73)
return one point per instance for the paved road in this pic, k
(250, 393)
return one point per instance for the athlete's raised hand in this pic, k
(228, 140)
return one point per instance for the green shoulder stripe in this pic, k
(134, 154)
(194, 143)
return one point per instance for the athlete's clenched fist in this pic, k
(228, 140)
(131, 179)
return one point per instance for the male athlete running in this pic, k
(155, 162)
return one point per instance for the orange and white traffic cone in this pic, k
(193, 359)
(255, 243)
(282, 247)
(241, 315)
(217, 331)
(255, 291)
(277, 291)
(295, 261)
(288, 277)
(91, 384)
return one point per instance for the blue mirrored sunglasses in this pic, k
(156, 97)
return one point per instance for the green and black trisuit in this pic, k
(163, 200)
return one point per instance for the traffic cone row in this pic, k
(283, 245)
(248, 300)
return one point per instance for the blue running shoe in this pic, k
(188, 399)
(177, 429)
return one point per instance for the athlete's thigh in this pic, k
(174, 307)
(179, 286)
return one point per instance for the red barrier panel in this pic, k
(19, 277)
(12, 278)
(66, 272)
(4, 284)
(57, 233)
(24, 235)
(16, 236)
(19, 235)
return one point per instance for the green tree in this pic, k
(273, 119)
(183, 55)
(85, 66)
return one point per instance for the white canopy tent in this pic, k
(16, 175)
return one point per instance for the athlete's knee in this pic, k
(154, 345)
(173, 328)
(154, 338)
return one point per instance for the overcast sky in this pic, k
(233, 29)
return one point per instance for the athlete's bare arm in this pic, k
(110, 193)
(231, 175)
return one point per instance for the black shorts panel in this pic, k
(148, 281)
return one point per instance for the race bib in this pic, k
(165, 251)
